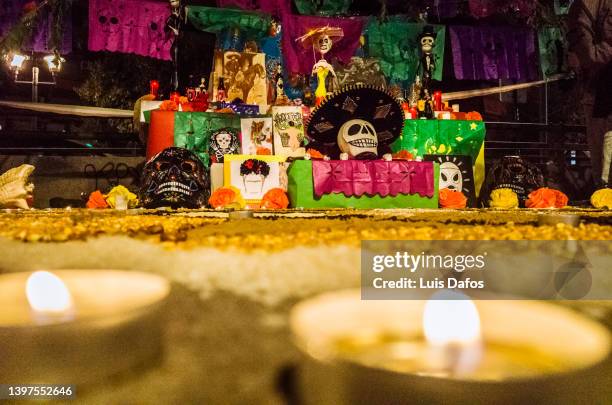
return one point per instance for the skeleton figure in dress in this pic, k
(322, 41)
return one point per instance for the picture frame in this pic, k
(244, 77)
(457, 173)
(289, 131)
(253, 175)
(257, 138)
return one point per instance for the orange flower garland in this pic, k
(315, 154)
(473, 116)
(168, 105)
(546, 198)
(452, 199)
(96, 200)
(275, 199)
(403, 155)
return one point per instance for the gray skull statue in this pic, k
(357, 138)
(175, 177)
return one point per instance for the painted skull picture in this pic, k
(358, 139)
(456, 174)
(223, 142)
(176, 178)
(450, 176)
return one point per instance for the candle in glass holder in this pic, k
(78, 326)
(446, 351)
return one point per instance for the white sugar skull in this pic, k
(427, 44)
(323, 44)
(224, 140)
(450, 177)
(358, 139)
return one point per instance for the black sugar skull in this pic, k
(176, 178)
(514, 173)
(224, 142)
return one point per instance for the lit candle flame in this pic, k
(451, 325)
(451, 317)
(47, 293)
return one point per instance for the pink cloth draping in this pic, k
(274, 7)
(373, 177)
(129, 26)
(297, 59)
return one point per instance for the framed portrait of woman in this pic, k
(253, 175)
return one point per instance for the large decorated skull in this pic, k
(323, 44)
(514, 173)
(175, 177)
(358, 139)
(451, 177)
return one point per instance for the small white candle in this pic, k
(445, 351)
(451, 326)
(48, 297)
(78, 326)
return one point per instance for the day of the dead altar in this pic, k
(311, 212)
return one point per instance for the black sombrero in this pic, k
(370, 104)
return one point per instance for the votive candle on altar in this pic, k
(78, 326)
(446, 351)
(154, 87)
(437, 98)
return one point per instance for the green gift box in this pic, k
(301, 193)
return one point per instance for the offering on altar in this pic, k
(175, 178)
(357, 123)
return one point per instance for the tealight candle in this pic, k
(445, 351)
(78, 326)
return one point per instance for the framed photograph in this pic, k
(288, 128)
(244, 77)
(256, 136)
(457, 174)
(253, 175)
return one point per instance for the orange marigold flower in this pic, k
(452, 199)
(96, 200)
(275, 199)
(226, 197)
(546, 198)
